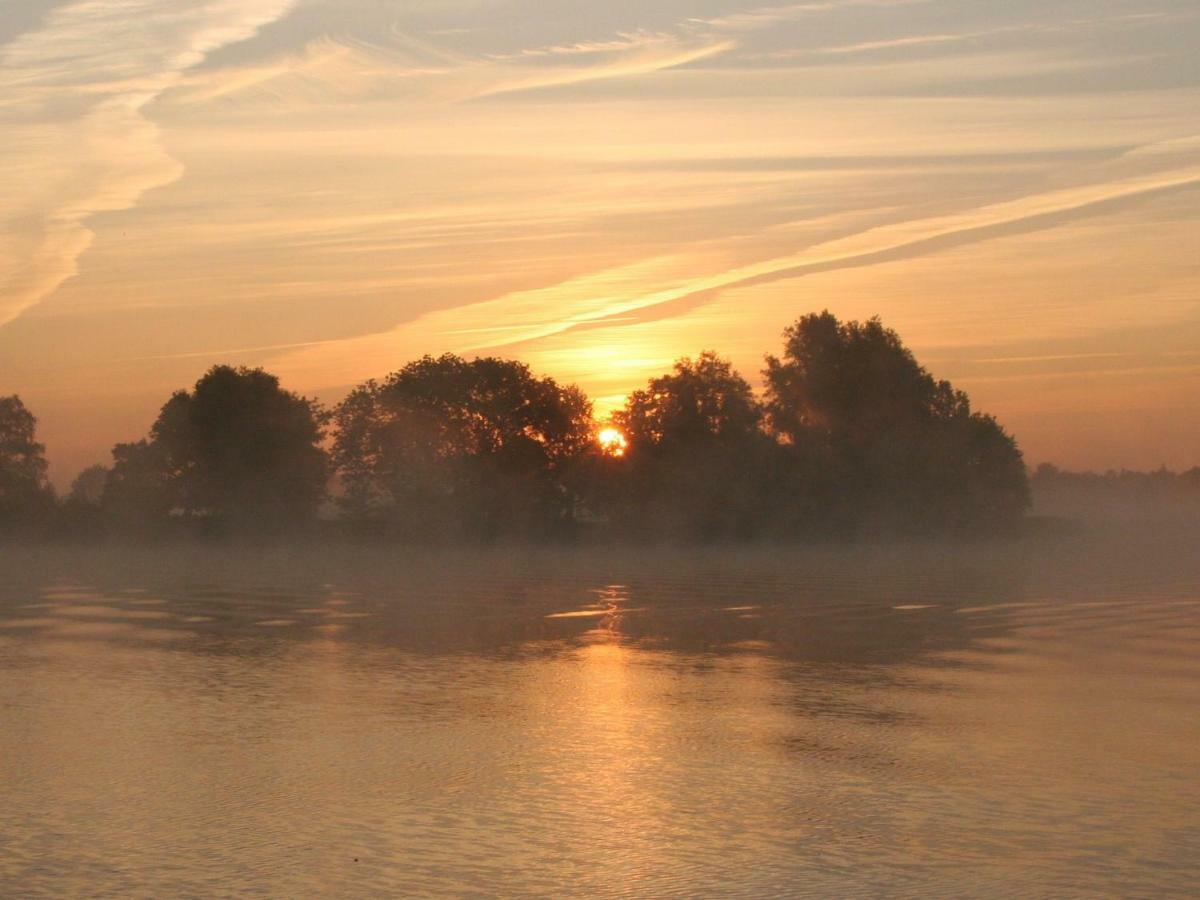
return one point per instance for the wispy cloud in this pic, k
(398, 64)
(622, 43)
(652, 288)
(324, 69)
(647, 58)
(1074, 27)
(593, 188)
(78, 85)
(925, 236)
(921, 40)
(766, 16)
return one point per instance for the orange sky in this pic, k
(330, 189)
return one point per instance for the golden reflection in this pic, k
(329, 622)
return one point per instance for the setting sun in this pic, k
(612, 442)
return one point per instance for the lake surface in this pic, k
(1007, 721)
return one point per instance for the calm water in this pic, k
(1012, 721)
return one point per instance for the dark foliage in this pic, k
(447, 447)
(26, 500)
(1117, 496)
(699, 464)
(80, 516)
(879, 444)
(236, 454)
(851, 437)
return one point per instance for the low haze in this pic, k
(902, 722)
(332, 189)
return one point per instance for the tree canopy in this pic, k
(700, 401)
(236, 452)
(850, 436)
(448, 446)
(26, 500)
(883, 443)
(698, 462)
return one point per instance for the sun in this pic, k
(612, 442)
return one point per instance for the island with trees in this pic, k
(850, 437)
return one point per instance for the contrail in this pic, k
(102, 61)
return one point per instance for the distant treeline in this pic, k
(1116, 495)
(850, 436)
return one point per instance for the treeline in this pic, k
(1117, 495)
(850, 436)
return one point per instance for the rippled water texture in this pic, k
(915, 721)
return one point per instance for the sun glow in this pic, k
(612, 442)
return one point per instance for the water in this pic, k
(914, 721)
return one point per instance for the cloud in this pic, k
(767, 16)
(622, 43)
(647, 58)
(1071, 29)
(325, 69)
(75, 89)
(662, 287)
(399, 66)
(922, 237)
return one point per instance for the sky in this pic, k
(332, 189)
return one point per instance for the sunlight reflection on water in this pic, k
(749, 724)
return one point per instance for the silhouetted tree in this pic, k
(853, 435)
(26, 498)
(698, 462)
(701, 401)
(879, 442)
(1117, 496)
(80, 515)
(88, 486)
(448, 446)
(140, 491)
(236, 453)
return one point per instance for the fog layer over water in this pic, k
(990, 720)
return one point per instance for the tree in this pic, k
(450, 447)
(698, 462)
(701, 401)
(88, 486)
(237, 453)
(80, 515)
(879, 441)
(26, 498)
(140, 491)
